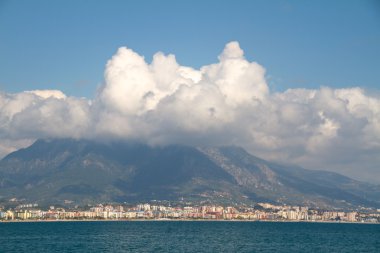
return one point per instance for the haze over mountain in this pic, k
(55, 170)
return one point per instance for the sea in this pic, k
(187, 236)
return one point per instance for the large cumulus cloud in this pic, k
(225, 103)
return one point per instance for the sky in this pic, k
(291, 81)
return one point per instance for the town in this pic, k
(259, 212)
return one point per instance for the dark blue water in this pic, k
(188, 236)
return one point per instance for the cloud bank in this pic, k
(226, 103)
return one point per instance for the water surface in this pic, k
(188, 236)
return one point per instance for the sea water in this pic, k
(188, 236)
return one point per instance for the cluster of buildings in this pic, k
(262, 211)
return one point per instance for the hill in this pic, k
(59, 170)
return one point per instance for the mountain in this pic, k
(59, 170)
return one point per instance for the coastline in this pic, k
(183, 220)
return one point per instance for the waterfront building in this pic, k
(351, 217)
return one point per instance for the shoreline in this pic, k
(184, 220)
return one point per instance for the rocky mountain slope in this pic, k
(59, 170)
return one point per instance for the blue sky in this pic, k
(321, 45)
(65, 44)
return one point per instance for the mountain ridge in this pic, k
(83, 171)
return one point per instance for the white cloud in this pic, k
(219, 104)
(27, 115)
(48, 93)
